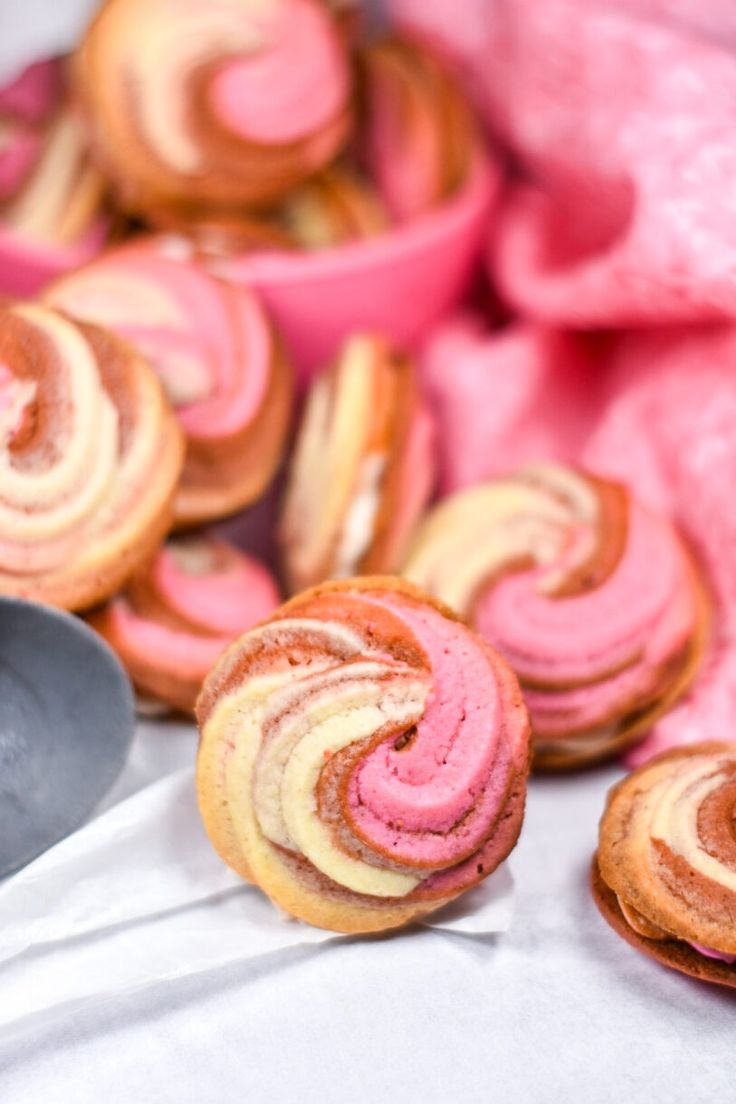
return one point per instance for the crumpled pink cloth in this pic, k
(507, 397)
(620, 116)
(669, 429)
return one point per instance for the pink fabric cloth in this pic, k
(620, 116)
(669, 429)
(508, 397)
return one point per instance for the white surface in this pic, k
(556, 1009)
(137, 899)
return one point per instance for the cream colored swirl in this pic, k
(89, 458)
(667, 847)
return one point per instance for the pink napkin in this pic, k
(507, 397)
(669, 429)
(620, 117)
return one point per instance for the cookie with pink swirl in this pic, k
(664, 876)
(54, 213)
(60, 200)
(218, 358)
(363, 756)
(228, 104)
(25, 105)
(90, 458)
(362, 470)
(592, 599)
(420, 138)
(180, 611)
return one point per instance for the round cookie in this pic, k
(180, 611)
(90, 457)
(217, 356)
(664, 875)
(592, 599)
(362, 470)
(363, 756)
(224, 105)
(419, 138)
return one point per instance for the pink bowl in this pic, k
(399, 284)
(26, 267)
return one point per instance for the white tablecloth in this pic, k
(556, 1009)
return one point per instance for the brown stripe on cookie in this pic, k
(717, 820)
(671, 952)
(31, 356)
(707, 899)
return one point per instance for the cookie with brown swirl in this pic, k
(217, 355)
(419, 137)
(592, 599)
(363, 756)
(362, 470)
(228, 104)
(90, 458)
(180, 611)
(664, 876)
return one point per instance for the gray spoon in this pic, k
(66, 723)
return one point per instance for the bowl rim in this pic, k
(278, 268)
(54, 259)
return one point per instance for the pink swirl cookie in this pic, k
(217, 356)
(53, 213)
(420, 137)
(179, 613)
(228, 104)
(591, 598)
(363, 756)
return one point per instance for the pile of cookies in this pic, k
(365, 745)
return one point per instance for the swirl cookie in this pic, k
(60, 199)
(335, 207)
(217, 357)
(591, 598)
(362, 470)
(228, 104)
(363, 756)
(54, 212)
(180, 611)
(419, 137)
(90, 457)
(664, 876)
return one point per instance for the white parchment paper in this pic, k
(137, 898)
